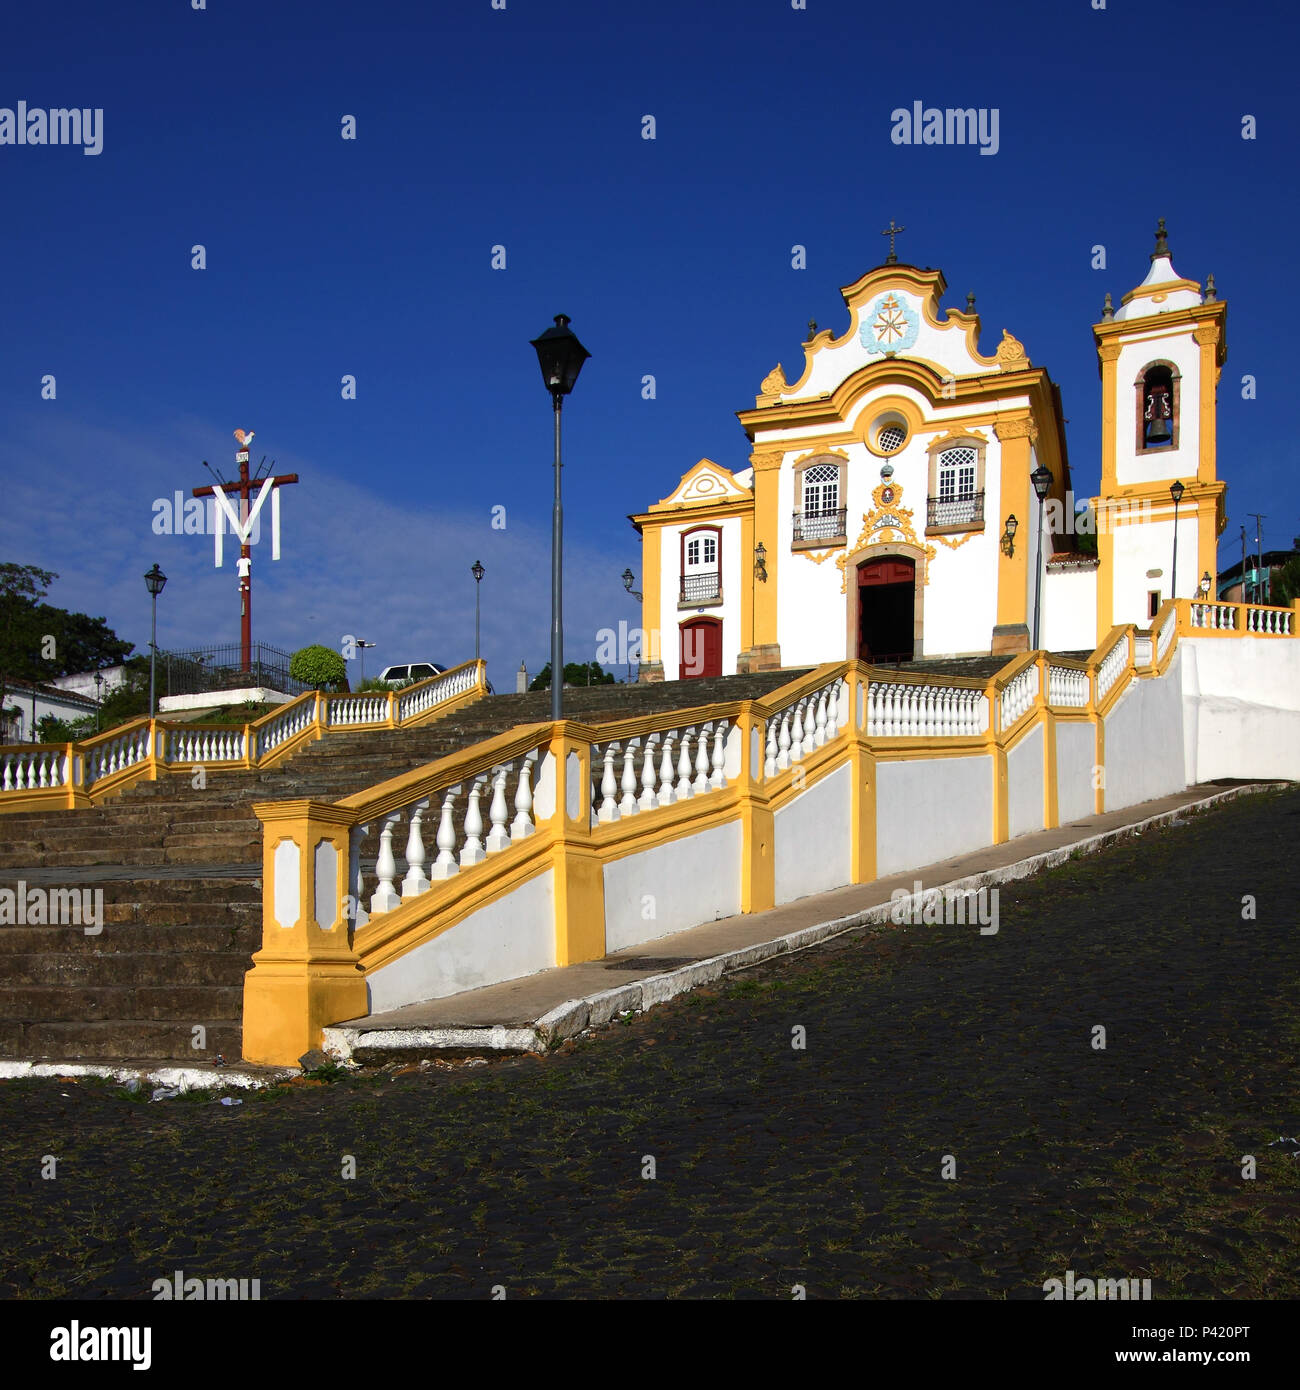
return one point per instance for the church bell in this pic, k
(1157, 414)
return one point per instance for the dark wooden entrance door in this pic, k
(701, 648)
(886, 606)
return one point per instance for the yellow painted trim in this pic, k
(651, 585)
(767, 529)
(1013, 570)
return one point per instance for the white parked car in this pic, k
(412, 671)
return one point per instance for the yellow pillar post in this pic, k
(1012, 631)
(757, 827)
(578, 872)
(306, 974)
(993, 741)
(1051, 813)
(862, 763)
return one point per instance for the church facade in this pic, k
(891, 509)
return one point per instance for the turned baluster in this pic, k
(499, 813)
(666, 793)
(444, 866)
(627, 802)
(416, 880)
(473, 850)
(819, 724)
(783, 744)
(385, 898)
(796, 734)
(684, 789)
(718, 780)
(648, 800)
(609, 787)
(522, 826)
(358, 916)
(769, 760)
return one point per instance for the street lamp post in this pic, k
(99, 697)
(1042, 480)
(629, 579)
(560, 355)
(154, 581)
(362, 644)
(478, 572)
(1176, 491)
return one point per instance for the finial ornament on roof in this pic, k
(1211, 294)
(891, 232)
(245, 438)
(1107, 309)
(970, 302)
(1162, 243)
(812, 328)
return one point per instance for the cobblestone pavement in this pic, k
(773, 1166)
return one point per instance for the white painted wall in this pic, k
(1144, 740)
(1241, 707)
(812, 839)
(1076, 755)
(931, 809)
(1149, 545)
(689, 881)
(671, 617)
(1069, 610)
(1171, 343)
(1025, 784)
(508, 938)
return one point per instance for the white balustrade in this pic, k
(1141, 650)
(1274, 621)
(385, 898)
(1067, 687)
(1218, 617)
(294, 718)
(437, 691)
(112, 755)
(1019, 694)
(1166, 634)
(349, 711)
(1111, 667)
(200, 745)
(895, 710)
(30, 770)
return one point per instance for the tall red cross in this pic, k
(244, 489)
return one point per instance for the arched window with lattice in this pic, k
(956, 501)
(819, 502)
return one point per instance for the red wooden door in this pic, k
(701, 653)
(885, 572)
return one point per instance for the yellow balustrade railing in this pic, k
(67, 776)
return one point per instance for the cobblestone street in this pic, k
(773, 1166)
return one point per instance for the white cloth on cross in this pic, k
(226, 512)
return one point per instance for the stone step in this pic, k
(121, 969)
(129, 939)
(205, 1004)
(117, 1040)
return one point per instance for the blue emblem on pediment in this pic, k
(890, 325)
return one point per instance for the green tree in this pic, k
(319, 666)
(22, 587)
(1286, 583)
(575, 673)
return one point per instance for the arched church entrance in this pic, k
(886, 590)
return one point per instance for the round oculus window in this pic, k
(890, 439)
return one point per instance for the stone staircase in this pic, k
(180, 871)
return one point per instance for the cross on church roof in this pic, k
(891, 232)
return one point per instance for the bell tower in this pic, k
(1159, 355)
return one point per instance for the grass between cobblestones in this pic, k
(773, 1167)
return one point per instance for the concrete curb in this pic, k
(574, 1015)
(183, 1078)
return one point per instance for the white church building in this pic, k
(891, 507)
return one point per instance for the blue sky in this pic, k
(522, 127)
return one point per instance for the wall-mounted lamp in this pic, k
(1206, 582)
(1009, 536)
(628, 577)
(760, 562)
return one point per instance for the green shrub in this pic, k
(319, 667)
